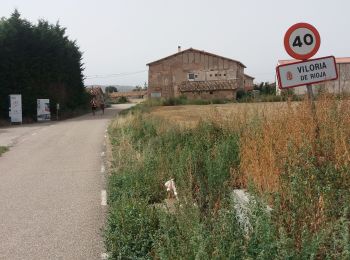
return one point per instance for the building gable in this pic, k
(195, 57)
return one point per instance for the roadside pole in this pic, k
(57, 109)
(311, 97)
(310, 93)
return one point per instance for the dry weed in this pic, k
(274, 142)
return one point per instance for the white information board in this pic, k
(15, 111)
(43, 110)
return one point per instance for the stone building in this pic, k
(195, 74)
(248, 82)
(96, 93)
(339, 86)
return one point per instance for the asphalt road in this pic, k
(51, 182)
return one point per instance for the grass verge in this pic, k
(296, 163)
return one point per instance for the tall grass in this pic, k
(301, 161)
(296, 162)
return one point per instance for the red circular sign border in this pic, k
(289, 33)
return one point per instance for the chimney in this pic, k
(179, 48)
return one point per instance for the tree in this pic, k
(39, 61)
(111, 89)
(266, 88)
(137, 88)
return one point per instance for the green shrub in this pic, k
(123, 100)
(241, 93)
(131, 228)
(3, 149)
(182, 100)
(119, 100)
(200, 102)
(175, 101)
(203, 155)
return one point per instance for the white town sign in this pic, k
(306, 72)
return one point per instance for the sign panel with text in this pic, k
(15, 111)
(306, 72)
(43, 109)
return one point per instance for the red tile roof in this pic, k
(247, 76)
(127, 94)
(195, 50)
(189, 86)
(94, 91)
(343, 60)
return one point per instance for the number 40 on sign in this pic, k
(302, 41)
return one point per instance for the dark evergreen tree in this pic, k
(39, 61)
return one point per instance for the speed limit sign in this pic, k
(302, 41)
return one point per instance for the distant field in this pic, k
(191, 115)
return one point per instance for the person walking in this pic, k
(93, 106)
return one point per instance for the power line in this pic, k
(114, 75)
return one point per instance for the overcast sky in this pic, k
(121, 36)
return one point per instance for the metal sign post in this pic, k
(57, 109)
(311, 97)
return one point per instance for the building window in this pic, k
(211, 75)
(191, 76)
(196, 76)
(211, 92)
(216, 75)
(225, 75)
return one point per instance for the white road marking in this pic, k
(103, 154)
(103, 169)
(103, 198)
(104, 256)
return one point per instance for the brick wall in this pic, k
(209, 95)
(165, 76)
